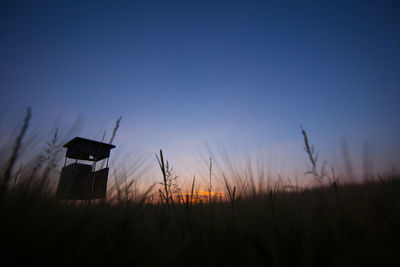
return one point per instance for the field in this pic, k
(335, 223)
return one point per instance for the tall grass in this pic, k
(331, 224)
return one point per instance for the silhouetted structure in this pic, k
(81, 181)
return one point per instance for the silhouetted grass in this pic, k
(357, 225)
(333, 224)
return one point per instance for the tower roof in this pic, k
(86, 149)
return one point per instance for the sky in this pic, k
(187, 75)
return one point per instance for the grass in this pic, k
(332, 224)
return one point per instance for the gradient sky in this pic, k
(183, 73)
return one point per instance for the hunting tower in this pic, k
(81, 181)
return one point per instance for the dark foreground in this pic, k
(347, 225)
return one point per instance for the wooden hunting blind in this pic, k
(82, 181)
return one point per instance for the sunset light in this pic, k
(203, 197)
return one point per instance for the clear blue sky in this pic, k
(187, 72)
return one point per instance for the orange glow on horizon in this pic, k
(203, 196)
